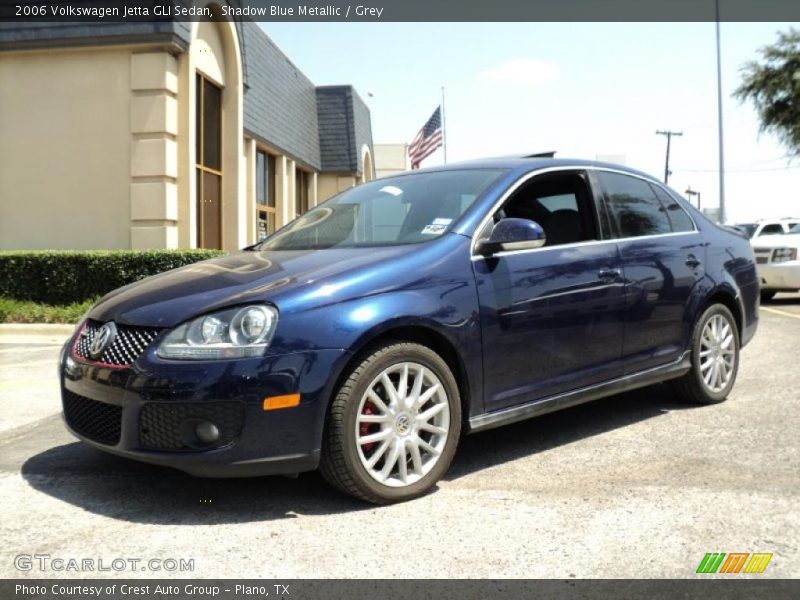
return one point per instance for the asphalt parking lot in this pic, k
(637, 485)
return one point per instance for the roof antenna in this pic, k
(550, 154)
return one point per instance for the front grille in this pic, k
(762, 260)
(126, 347)
(95, 420)
(170, 425)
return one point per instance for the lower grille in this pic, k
(170, 425)
(95, 420)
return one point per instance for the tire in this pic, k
(767, 295)
(364, 407)
(694, 386)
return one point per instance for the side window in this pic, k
(677, 216)
(770, 229)
(559, 202)
(633, 206)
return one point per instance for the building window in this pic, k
(300, 192)
(208, 117)
(265, 195)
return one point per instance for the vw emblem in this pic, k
(102, 340)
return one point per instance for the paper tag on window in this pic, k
(390, 189)
(444, 222)
(434, 229)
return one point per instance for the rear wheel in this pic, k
(393, 426)
(715, 358)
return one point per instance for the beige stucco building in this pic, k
(391, 159)
(165, 135)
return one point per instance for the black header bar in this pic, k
(376, 11)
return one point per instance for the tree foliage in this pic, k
(773, 85)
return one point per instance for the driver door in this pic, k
(551, 317)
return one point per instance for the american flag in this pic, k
(428, 139)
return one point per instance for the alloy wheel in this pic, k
(717, 353)
(402, 424)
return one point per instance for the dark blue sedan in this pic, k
(367, 335)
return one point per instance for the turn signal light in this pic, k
(276, 402)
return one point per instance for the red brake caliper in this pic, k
(363, 429)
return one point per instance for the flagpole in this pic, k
(444, 131)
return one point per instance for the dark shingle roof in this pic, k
(19, 36)
(342, 116)
(280, 103)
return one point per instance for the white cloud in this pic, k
(525, 71)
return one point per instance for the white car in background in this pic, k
(767, 227)
(777, 262)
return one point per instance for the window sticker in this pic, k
(391, 189)
(440, 221)
(434, 229)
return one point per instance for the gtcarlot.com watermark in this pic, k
(46, 563)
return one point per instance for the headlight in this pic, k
(784, 255)
(232, 333)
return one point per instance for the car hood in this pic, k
(784, 240)
(170, 298)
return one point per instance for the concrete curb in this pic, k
(52, 329)
(35, 333)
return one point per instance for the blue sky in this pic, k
(583, 89)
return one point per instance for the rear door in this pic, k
(551, 318)
(662, 257)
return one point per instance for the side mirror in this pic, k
(512, 234)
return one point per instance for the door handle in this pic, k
(609, 274)
(692, 261)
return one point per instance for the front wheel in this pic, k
(715, 357)
(394, 425)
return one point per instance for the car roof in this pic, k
(527, 163)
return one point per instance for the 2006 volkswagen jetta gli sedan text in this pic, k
(367, 335)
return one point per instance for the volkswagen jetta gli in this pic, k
(367, 335)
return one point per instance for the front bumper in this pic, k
(287, 440)
(783, 276)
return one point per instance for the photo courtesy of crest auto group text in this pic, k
(442, 299)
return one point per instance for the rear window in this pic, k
(678, 218)
(633, 206)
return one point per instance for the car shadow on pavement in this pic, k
(497, 446)
(127, 490)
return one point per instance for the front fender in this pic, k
(447, 309)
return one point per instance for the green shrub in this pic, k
(24, 311)
(67, 276)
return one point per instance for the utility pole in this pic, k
(719, 125)
(669, 135)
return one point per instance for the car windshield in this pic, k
(405, 209)
(795, 228)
